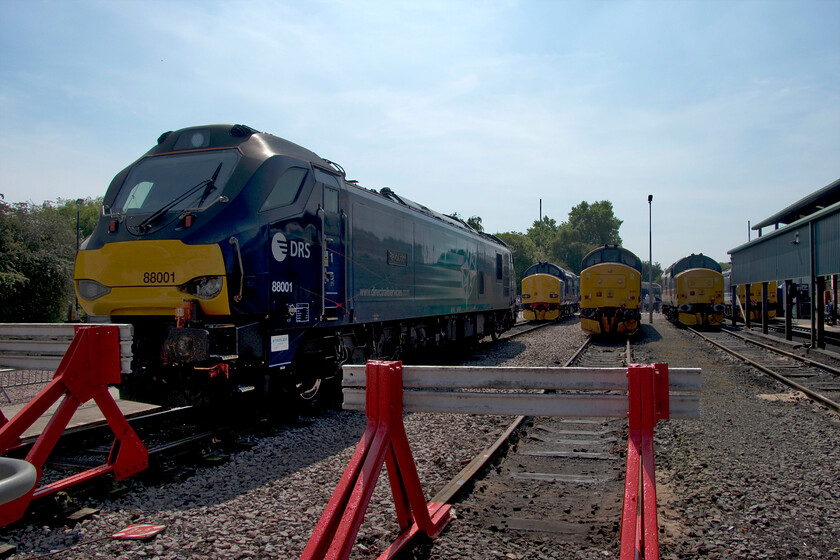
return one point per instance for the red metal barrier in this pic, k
(91, 363)
(648, 395)
(384, 440)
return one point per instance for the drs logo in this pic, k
(281, 248)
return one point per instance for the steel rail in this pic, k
(791, 355)
(526, 330)
(813, 395)
(468, 473)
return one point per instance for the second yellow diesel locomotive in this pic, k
(692, 292)
(610, 291)
(549, 292)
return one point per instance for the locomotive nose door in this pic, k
(333, 262)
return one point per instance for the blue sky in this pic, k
(724, 111)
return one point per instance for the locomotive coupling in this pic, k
(186, 346)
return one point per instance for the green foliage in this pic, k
(589, 226)
(657, 272)
(475, 223)
(37, 254)
(524, 253)
(543, 237)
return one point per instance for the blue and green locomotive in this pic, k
(246, 262)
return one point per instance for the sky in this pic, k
(725, 111)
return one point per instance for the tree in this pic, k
(588, 227)
(37, 254)
(474, 221)
(543, 237)
(657, 272)
(524, 253)
(595, 224)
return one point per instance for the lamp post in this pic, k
(650, 263)
(79, 202)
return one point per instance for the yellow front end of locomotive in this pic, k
(699, 294)
(757, 298)
(151, 278)
(604, 290)
(541, 297)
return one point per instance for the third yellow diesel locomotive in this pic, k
(756, 299)
(692, 292)
(610, 290)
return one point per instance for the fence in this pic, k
(380, 389)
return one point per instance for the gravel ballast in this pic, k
(757, 476)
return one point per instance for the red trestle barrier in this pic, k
(384, 441)
(648, 396)
(91, 363)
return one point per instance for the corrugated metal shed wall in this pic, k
(827, 232)
(775, 256)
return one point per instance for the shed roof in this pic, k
(814, 202)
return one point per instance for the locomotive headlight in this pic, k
(91, 289)
(203, 287)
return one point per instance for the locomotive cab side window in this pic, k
(330, 200)
(499, 267)
(286, 188)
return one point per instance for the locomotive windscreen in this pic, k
(175, 182)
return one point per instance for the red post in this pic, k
(383, 442)
(91, 363)
(648, 397)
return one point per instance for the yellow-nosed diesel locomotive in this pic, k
(549, 292)
(692, 292)
(610, 291)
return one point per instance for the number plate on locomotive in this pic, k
(158, 277)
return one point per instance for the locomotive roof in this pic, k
(256, 143)
(693, 261)
(235, 135)
(544, 267)
(611, 254)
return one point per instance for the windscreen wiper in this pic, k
(209, 186)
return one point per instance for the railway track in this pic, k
(820, 382)
(178, 441)
(569, 468)
(524, 327)
(800, 333)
